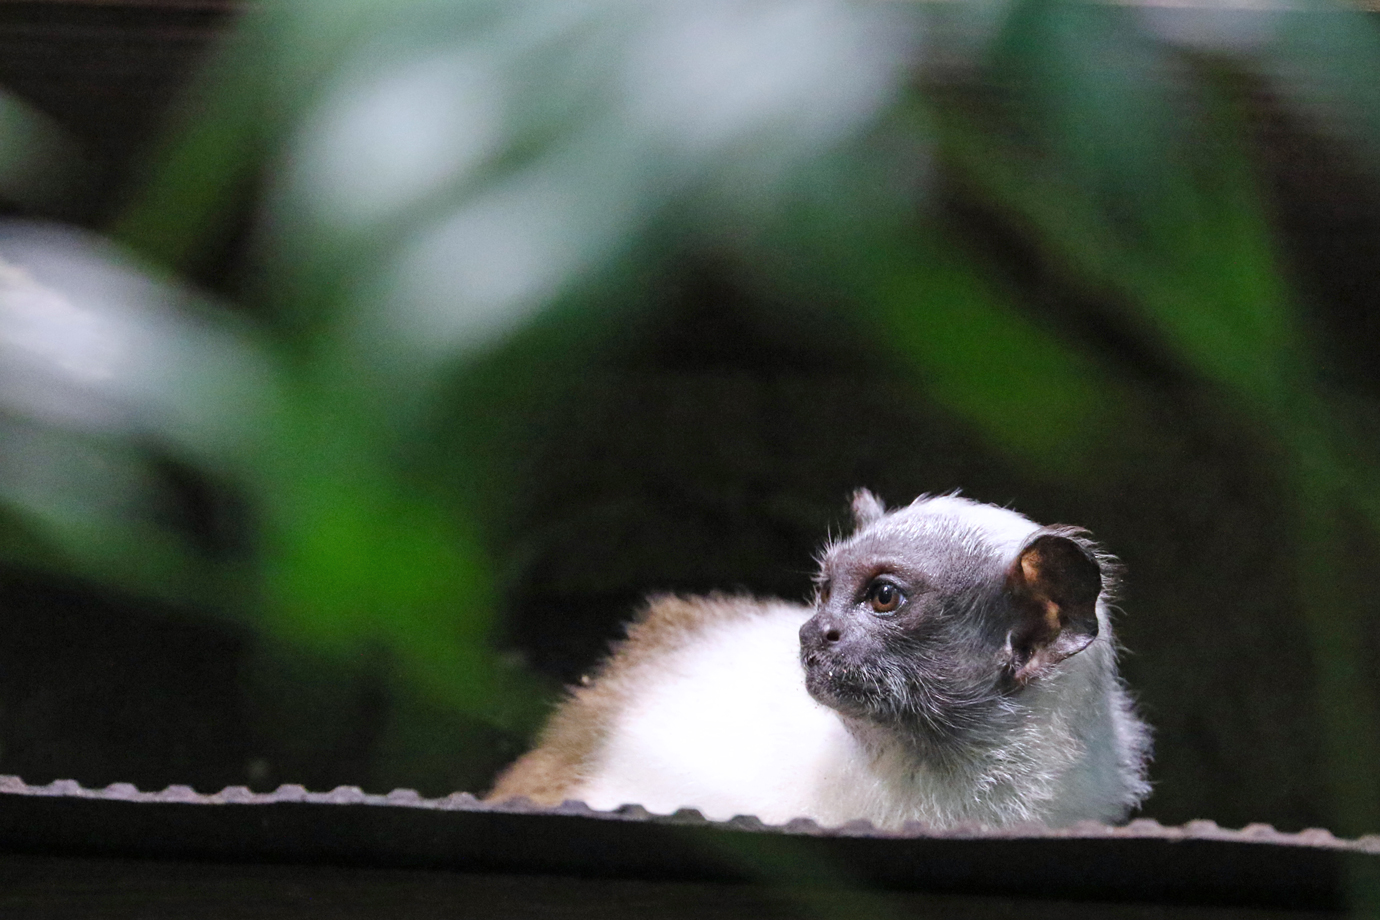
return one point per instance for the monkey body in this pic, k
(987, 695)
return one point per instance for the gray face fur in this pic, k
(932, 624)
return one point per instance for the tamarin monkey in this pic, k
(957, 666)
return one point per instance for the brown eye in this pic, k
(884, 597)
(824, 591)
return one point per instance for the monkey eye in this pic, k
(884, 597)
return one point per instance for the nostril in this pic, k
(831, 636)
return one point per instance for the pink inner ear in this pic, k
(1054, 586)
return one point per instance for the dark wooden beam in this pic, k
(75, 852)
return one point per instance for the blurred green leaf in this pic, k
(40, 165)
(1032, 395)
(1211, 287)
(1318, 58)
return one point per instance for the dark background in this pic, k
(713, 446)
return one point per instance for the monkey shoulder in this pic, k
(672, 637)
(670, 622)
(719, 705)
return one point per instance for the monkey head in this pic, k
(933, 618)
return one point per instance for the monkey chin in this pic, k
(880, 714)
(845, 688)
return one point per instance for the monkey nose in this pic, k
(818, 632)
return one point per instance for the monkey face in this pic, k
(927, 617)
(904, 632)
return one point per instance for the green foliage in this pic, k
(455, 206)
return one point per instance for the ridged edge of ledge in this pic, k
(464, 801)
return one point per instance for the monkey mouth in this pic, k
(835, 684)
(860, 691)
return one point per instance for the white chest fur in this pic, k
(714, 723)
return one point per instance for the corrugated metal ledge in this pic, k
(1142, 862)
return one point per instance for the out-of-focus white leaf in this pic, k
(682, 98)
(389, 135)
(69, 481)
(1233, 26)
(475, 276)
(89, 341)
(801, 73)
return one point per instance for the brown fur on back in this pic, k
(572, 737)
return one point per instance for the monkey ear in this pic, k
(866, 508)
(1053, 586)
